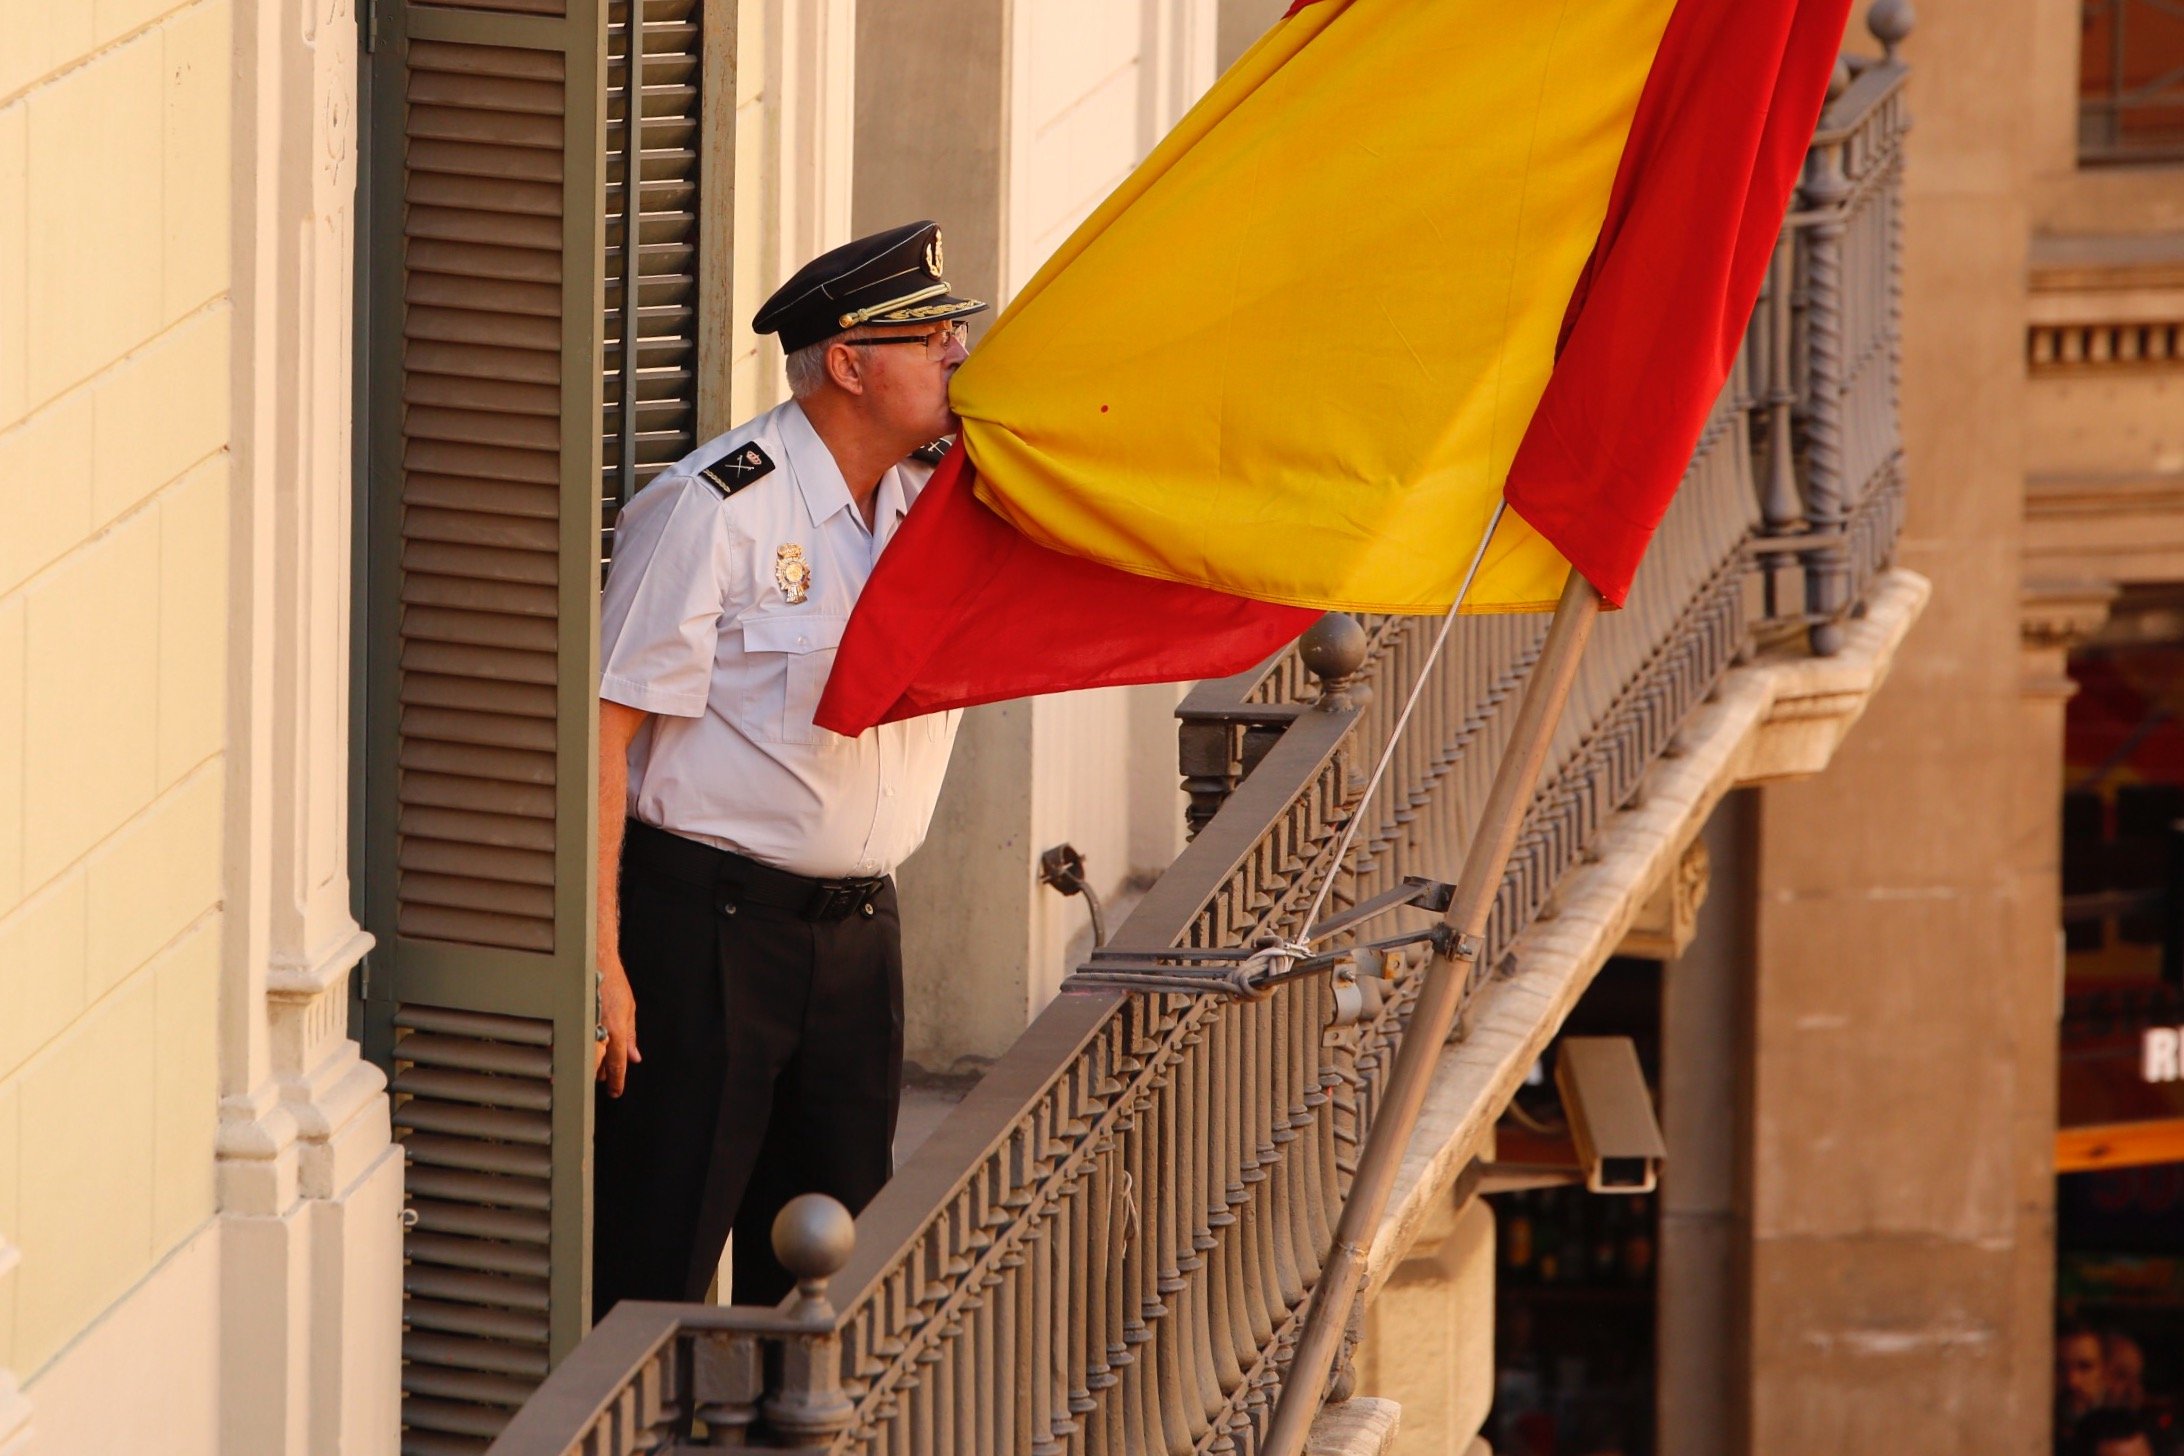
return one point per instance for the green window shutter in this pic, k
(482, 342)
(649, 369)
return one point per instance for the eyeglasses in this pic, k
(954, 334)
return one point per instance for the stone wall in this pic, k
(115, 473)
(196, 1182)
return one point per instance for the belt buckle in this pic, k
(825, 902)
(840, 899)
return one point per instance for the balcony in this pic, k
(1110, 1243)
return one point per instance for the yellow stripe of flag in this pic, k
(1293, 356)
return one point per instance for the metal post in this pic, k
(1438, 1002)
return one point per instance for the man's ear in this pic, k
(846, 368)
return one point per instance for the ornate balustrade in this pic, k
(1108, 1245)
(1825, 346)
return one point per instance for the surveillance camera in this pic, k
(1610, 1111)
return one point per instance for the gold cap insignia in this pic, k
(792, 573)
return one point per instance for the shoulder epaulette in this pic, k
(745, 465)
(931, 451)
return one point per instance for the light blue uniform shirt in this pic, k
(699, 627)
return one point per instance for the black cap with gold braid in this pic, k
(887, 278)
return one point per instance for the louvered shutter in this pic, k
(481, 531)
(649, 378)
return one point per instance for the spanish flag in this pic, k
(1406, 259)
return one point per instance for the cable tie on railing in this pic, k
(1270, 960)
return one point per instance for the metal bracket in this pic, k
(1491, 1177)
(1228, 971)
(1062, 868)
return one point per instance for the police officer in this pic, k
(749, 948)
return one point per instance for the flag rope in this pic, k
(1395, 735)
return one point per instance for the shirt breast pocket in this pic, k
(798, 649)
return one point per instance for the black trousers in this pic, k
(772, 1067)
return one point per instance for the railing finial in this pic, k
(1333, 649)
(813, 1237)
(1890, 21)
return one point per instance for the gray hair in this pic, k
(807, 367)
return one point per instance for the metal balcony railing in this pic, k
(1109, 1244)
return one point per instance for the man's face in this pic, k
(2126, 1367)
(2128, 1446)
(906, 383)
(2080, 1377)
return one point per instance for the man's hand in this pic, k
(611, 1060)
(618, 1013)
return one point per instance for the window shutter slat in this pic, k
(648, 378)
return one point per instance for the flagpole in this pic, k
(1515, 780)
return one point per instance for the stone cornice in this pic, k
(2105, 262)
(2105, 527)
(2103, 303)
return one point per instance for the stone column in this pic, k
(2054, 617)
(1904, 1002)
(1705, 1120)
(309, 1184)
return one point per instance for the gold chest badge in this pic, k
(792, 573)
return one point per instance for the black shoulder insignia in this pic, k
(742, 466)
(931, 451)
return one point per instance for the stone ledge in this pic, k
(1774, 719)
(1813, 701)
(1359, 1426)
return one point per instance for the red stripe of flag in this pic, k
(963, 609)
(1715, 149)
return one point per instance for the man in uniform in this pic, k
(749, 949)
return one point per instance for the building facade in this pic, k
(198, 1177)
(294, 750)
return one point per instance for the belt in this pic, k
(747, 881)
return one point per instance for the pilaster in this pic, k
(309, 1183)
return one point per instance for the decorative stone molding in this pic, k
(2053, 617)
(336, 1098)
(1670, 915)
(2069, 348)
(2062, 614)
(1815, 700)
(1360, 1426)
(256, 1154)
(2104, 303)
